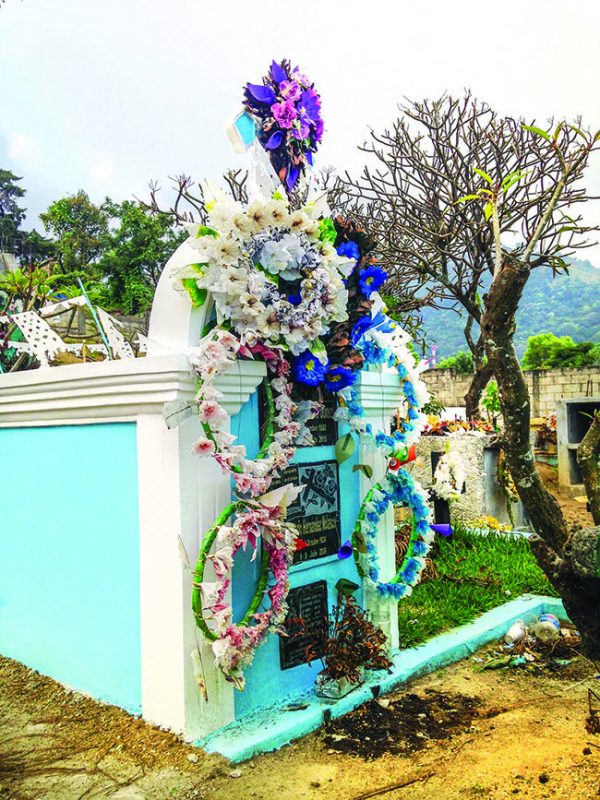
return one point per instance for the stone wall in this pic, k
(546, 386)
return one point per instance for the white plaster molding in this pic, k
(113, 390)
(380, 395)
(175, 324)
(179, 496)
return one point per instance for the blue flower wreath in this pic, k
(374, 354)
(396, 488)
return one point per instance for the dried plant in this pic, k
(345, 643)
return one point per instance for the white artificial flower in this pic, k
(277, 213)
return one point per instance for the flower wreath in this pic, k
(449, 476)
(287, 111)
(396, 487)
(233, 645)
(274, 274)
(383, 343)
(214, 355)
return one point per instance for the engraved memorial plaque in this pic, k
(316, 512)
(310, 603)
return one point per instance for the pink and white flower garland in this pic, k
(234, 645)
(215, 354)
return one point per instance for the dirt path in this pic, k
(457, 734)
(575, 513)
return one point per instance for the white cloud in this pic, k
(23, 148)
(102, 170)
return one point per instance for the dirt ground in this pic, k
(575, 513)
(460, 733)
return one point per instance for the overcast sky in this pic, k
(106, 94)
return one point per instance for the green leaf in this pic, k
(366, 469)
(197, 295)
(538, 131)
(578, 131)
(208, 328)
(557, 131)
(268, 275)
(488, 210)
(467, 197)
(484, 175)
(344, 447)
(203, 230)
(319, 351)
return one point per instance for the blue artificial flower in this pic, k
(339, 378)
(370, 279)
(308, 369)
(410, 571)
(420, 548)
(349, 250)
(295, 299)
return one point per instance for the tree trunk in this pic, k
(498, 326)
(576, 577)
(588, 455)
(571, 561)
(480, 380)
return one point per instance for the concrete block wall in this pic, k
(546, 386)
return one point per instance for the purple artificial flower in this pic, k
(284, 113)
(301, 128)
(310, 106)
(300, 77)
(278, 73)
(319, 126)
(264, 94)
(274, 141)
(290, 90)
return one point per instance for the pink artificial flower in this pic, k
(210, 411)
(243, 482)
(204, 447)
(229, 341)
(225, 461)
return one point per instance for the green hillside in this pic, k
(567, 305)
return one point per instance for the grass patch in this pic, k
(475, 574)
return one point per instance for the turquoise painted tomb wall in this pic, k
(69, 556)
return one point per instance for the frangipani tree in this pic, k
(475, 202)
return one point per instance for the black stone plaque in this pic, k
(310, 603)
(316, 512)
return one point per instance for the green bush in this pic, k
(461, 362)
(547, 351)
